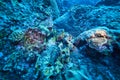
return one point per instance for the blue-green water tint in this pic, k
(59, 39)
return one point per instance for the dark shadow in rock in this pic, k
(108, 2)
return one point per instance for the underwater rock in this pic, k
(16, 64)
(1, 55)
(46, 24)
(55, 8)
(81, 18)
(1, 44)
(100, 39)
(76, 75)
(108, 2)
(10, 60)
(16, 35)
(34, 39)
(4, 32)
(46, 61)
(74, 20)
(65, 5)
(33, 46)
(24, 13)
(114, 25)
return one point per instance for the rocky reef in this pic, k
(101, 39)
(44, 40)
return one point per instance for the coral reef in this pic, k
(59, 40)
(55, 8)
(101, 39)
(17, 35)
(81, 18)
(34, 39)
(109, 2)
(65, 5)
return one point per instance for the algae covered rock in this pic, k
(16, 35)
(39, 42)
(34, 39)
(81, 18)
(100, 39)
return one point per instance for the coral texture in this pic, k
(16, 35)
(100, 39)
(34, 39)
(59, 40)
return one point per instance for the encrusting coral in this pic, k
(100, 39)
(34, 39)
(16, 35)
(50, 50)
(37, 42)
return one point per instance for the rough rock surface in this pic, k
(83, 43)
(101, 39)
(82, 18)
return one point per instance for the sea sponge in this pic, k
(16, 35)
